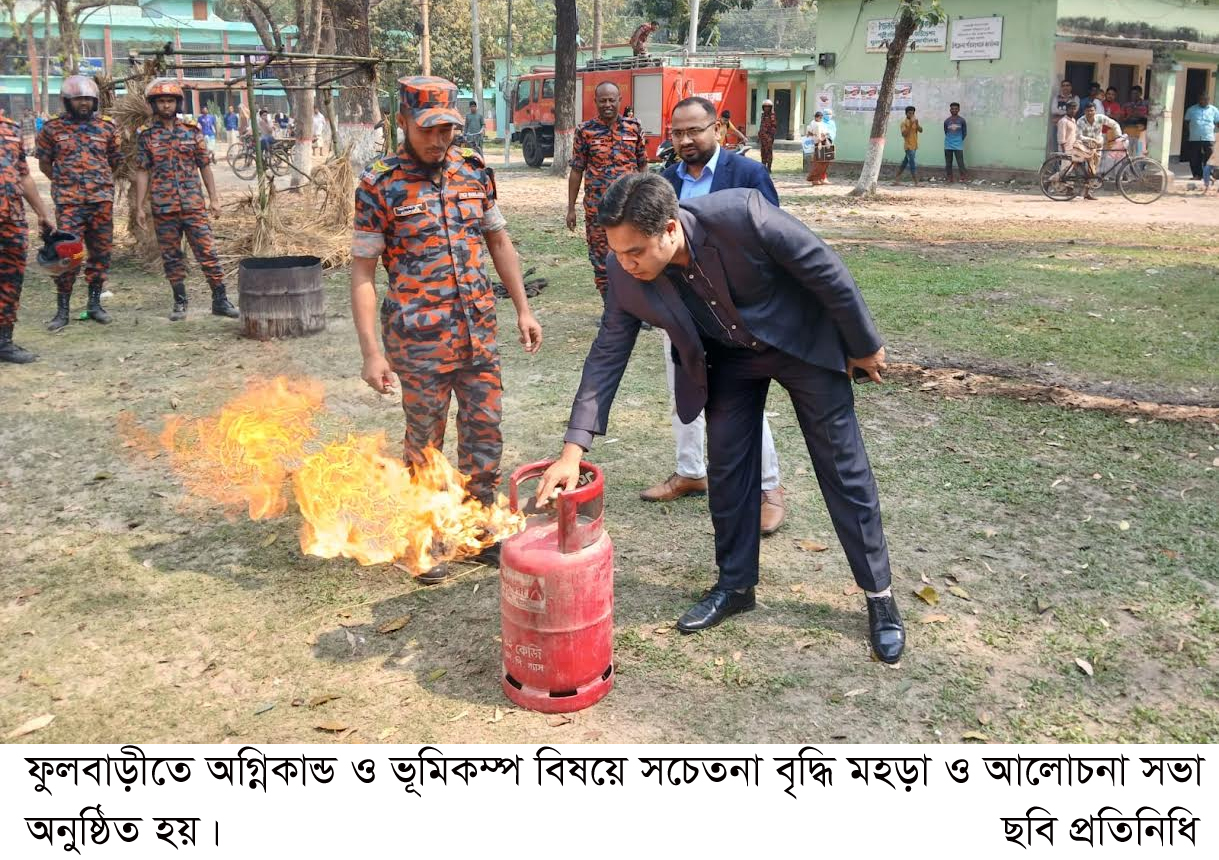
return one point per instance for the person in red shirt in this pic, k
(639, 39)
(1113, 108)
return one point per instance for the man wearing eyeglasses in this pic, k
(705, 167)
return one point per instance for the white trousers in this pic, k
(691, 451)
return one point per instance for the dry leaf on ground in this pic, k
(934, 618)
(31, 726)
(331, 726)
(556, 720)
(269, 539)
(394, 624)
(323, 699)
(928, 595)
(1084, 666)
(437, 674)
(811, 546)
(974, 736)
(957, 591)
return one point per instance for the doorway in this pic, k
(783, 114)
(1196, 81)
(1081, 76)
(1122, 78)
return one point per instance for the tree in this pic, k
(564, 84)
(911, 15)
(675, 14)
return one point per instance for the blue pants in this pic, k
(1208, 175)
(908, 162)
(737, 383)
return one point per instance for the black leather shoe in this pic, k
(885, 629)
(717, 605)
(436, 575)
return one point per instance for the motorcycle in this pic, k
(666, 154)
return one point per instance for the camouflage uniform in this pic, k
(438, 315)
(603, 154)
(82, 156)
(173, 155)
(13, 169)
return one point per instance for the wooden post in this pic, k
(426, 46)
(255, 134)
(509, 93)
(476, 38)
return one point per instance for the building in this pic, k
(110, 33)
(1004, 67)
(781, 76)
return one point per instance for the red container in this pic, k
(557, 601)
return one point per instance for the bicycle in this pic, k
(242, 158)
(1140, 179)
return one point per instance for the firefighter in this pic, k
(430, 214)
(604, 149)
(15, 183)
(171, 156)
(77, 151)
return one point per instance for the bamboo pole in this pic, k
(256, 135)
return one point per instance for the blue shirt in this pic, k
(207, 125)
(691, 187)
(955, 130)
(1202, 122)
(231, 121)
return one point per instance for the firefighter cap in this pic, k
(430, 101)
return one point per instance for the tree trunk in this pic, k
(476, 39)
(564, 84)
(46, 56)
(357, 111)
(425, 48)
(596, 29)
(69, 37)
(870, 173)
(35, 69)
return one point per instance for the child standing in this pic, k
(910, 133)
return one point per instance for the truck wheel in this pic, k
(532, 149)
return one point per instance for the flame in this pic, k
(361, 504)
(242, 455)
(355, 501)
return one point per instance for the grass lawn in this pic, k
(1053, 539)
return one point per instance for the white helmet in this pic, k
(80, 87)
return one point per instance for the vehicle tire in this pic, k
(1067, 189)
(534, 154)
(243, 163)
(1144, 180)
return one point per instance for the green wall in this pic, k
(995, 95)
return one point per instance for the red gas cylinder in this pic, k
(557, 600)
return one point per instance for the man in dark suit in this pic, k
(747, 294)
(705, 168)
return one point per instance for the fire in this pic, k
(361, 504)
(242, 455)
(355, 501)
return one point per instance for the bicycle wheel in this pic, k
(243, 163)
(1143, 180)
(281, 162)
(1055, 188)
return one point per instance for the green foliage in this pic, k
(675, 16)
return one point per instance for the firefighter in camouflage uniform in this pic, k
(605, 148)
(429, 214)
(171, 156)
(77, 151)
(15, 183)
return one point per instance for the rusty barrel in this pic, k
(281, 297)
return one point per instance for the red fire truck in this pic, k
(650, 85)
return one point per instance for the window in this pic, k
(522, 94)
(200, 9)
(548, 88)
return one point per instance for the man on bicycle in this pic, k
(1086, 146)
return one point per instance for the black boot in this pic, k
(179, 311)
(97, 313)
(63, 301)
(9, 351)
(221, 306)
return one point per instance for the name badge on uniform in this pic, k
(472, 195)
(629, 139)
(413, 209)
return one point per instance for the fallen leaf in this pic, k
(1043, 606)
(297, 702)
(437, 674)
(25, 675)
(974, 736)
(661, 631)
(1123, 526)
(269, 539)
(1084, 666)
(102, 476)
(331, 726)
(556, 720)
(989, 532)
(27, 593)
(934, 618)
(984, 718)
(323, 699)
(922, 577)
(394, 624)
(387, 733)
(856, 692)
(796, 589)
(928, 595)
(736, 656)
(957, 591)
(475, 591)
(497, 716)
(31, 726)
(460, 716)
(262, 709)
(1169, 553)
(175, 402)
(811, 546)
(852, 589)
(719, 661)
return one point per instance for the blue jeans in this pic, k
(908, 162)
(1208, 175)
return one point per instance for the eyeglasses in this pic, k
(679, 133)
